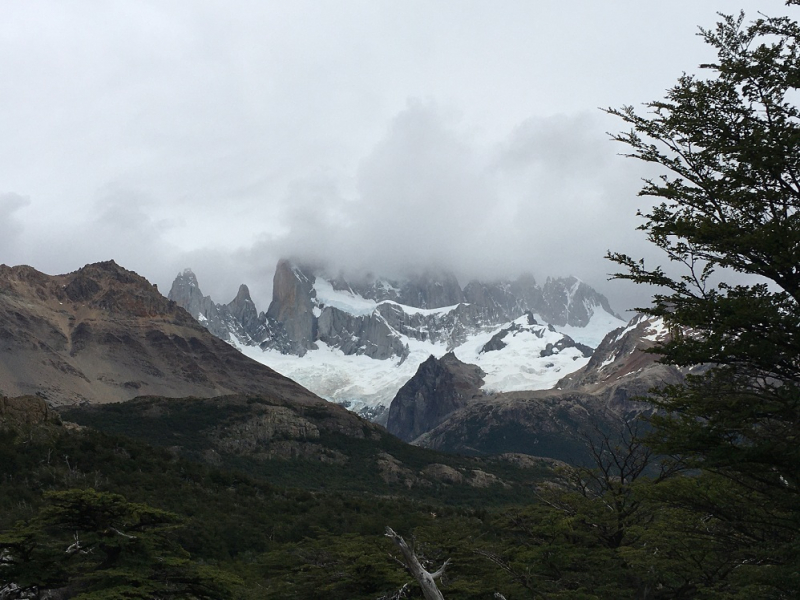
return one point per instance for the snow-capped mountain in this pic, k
(357, 341)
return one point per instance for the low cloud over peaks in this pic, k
(550, 198)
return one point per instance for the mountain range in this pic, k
(356, 341)
(443, 407)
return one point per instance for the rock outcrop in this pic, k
(440, 387)
(26, 410)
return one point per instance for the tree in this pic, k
(729, 206)
(97, 545)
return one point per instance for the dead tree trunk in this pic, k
(425, 579)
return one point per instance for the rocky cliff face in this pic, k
(104, 333)
(621, 368)
(370, 335)
(292, 308)
(439, 387)
(431, 290)
(569, 301)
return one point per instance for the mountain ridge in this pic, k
(103, 333)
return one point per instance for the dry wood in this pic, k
(425, 579)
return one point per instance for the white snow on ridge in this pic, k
(520, 365)
(357, 305)
(412, 310)
(657, 331)
(343, 300)
(598, 327)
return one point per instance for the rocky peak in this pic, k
(185, 282)
(292, 308)
(244, 310)
(439, 387)
(185, 291)
(109, 287)
(237, 321)
(103, 334)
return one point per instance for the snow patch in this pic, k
(412, 310)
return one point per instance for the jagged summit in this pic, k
(235, 322)
(450, 381)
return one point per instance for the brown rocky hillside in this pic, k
(104, 334)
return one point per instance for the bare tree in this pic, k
(423, 577)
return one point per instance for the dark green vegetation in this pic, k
(98, 515)
(303, 447)
(147, 518)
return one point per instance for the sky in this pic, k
(378, 135)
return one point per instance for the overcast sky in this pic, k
(379, 135)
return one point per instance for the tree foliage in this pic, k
(728, 209)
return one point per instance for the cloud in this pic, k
(121, 227)
(11, 227)
(550, 198)
(167, 135)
